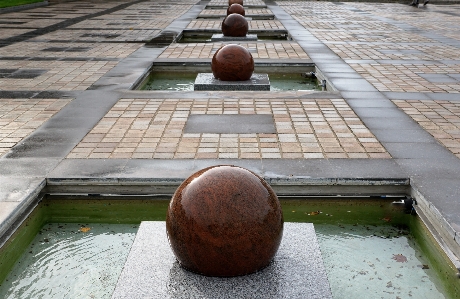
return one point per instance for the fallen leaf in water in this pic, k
(386, 219)
(85, 229)
(399, 258)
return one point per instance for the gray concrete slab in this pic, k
(230, 124)
(151, 270)
(413, 150)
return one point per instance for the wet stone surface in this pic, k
(297, 271)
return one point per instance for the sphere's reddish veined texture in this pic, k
(232, 63)
(230, 2)
(236, 8)
(235, 25)
(224, 221)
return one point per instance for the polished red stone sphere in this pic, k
(235, 25)
(232, 63)
(230, 2)
(224, 221)
(235, 8)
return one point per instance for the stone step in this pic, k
(151, 270)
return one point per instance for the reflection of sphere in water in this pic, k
(232, 63)
(235, 25)
(235, 8)
(224, 221)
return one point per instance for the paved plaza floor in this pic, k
(68, 111)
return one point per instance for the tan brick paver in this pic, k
(305, 128)
(58, 75)
(253, 24)
(246, 2)
(439, 118)
(272, 50)
(20, 117)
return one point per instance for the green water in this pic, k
(369, 247)
(174, 81)
(71, 260)
(381, 262)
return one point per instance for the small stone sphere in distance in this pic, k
(235, 25)
(232, 63)
(230, 2)
(224, 221)
(236, 8)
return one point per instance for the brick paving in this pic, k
(225, 2)
(367, 36)
(359, 35)
(253, 24)
(69, 50)
(270, 50)
(310, 128)
(248, 11)
(439, 118)
(57, 75)
(20, 117)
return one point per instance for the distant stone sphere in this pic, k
(236, 8)
(232, 63)
(224, 221)
(230, 2)
(235, 25)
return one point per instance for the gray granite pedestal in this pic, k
(151, 270)
(219, 37)
(206, 81)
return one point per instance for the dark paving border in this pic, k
(41, 31)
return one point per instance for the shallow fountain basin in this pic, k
(181, 77)
(370, 243)
(204, 35)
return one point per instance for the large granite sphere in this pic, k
(224, 221)
(235, 8)
(235, 25)
(230, 2)
(232, 63)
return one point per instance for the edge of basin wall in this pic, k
(437, 225)
(13, 221)
(442, 232)
(327, 84)
(205, 67)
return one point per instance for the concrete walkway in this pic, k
(389, 123)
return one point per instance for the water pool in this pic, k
(371, 249)
(175, 81)
(70, 260)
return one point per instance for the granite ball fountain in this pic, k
(224, 221)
